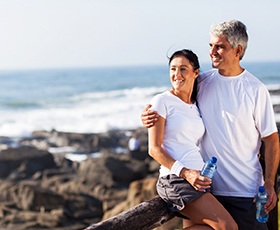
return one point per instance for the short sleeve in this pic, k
(158, 104)
(264, 113)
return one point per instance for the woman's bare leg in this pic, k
(198, 227)
(206, 210)
(187, 225)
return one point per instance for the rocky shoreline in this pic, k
(43, 190)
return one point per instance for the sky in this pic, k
(100, 33)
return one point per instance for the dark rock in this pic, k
(30, 196)
(23, 162)
(112, 170)
(276, 108)
(274, 91)
(83, 206)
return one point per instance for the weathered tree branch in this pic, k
(145, 216)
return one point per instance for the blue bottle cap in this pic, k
(213, 160)
(261, 189)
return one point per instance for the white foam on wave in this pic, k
(273, 86)
(85, 113)
(275, 99)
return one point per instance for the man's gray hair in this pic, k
(234, 31)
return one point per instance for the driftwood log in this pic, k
(145, 216)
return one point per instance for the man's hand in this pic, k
(272, 199)
(149, 117)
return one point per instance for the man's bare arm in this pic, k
(271, 154)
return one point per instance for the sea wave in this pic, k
(84, 113)
(273, 87)
(93, 112)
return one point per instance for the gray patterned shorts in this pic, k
(176, 191)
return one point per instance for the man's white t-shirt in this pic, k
(183, 130)
(237, 113)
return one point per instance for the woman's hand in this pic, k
(199, 182)
(149, 117)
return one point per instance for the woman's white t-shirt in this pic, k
(184, 129)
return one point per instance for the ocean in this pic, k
(91, 100)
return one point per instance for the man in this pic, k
(238, 116)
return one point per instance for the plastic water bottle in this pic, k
(261, 200)
(209, 168)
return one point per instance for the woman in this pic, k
(174, 141)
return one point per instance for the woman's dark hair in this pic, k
(193, 59)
